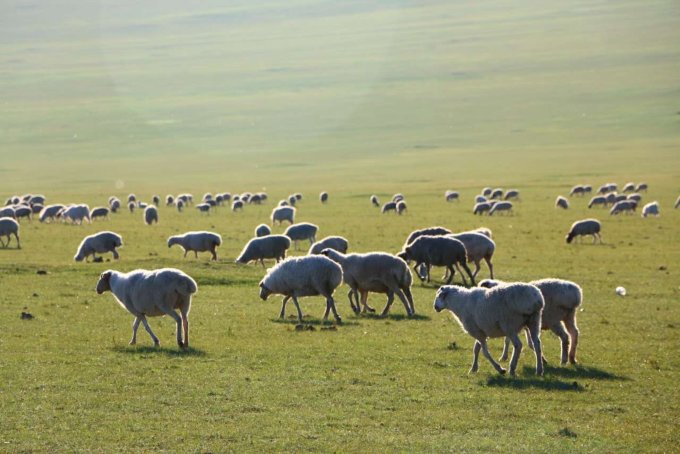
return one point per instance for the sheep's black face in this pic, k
(264, 292)
(104, 284)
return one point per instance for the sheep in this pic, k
(611, 198)
(397, 197)
(77, 213)
(207, 196)
(651, 209)
(245, 197)
(132, 206)
(197, 242)
(37, 200)
(180, 205)
(478, 247)
(452, 195)
(585, 227)
(629, 187)
(142, 205)
(302, 231)
(311, 275)
(374, 201)
(677, 203)
(497, 194)
(389, 206)
(483, 230)
(298, 196)
(641, 187)
(597, 200)
(577, 190)
(226, 197)
(620, 197)
(169, 200)
(624, 206)
(401, 207)
(255, 199)
(150, 293)
(99, 212)
(480, 199)
(501, 207)
(131, 198)
(283, 203)
(50, 212)
(114, 205)
(23, 211)
(613, 187)
(431, 231)
(377, 272)
(292, 200)
(323, 197)
(8, 227)
(156, 200)
(187, 199)
(437, 251)
(336, 243)
(212, 203)
(635, 196)
(481, 207)
(36, 208)
(511, 194)
(262, 230)
(236, 198)
(603, 189)
(501, 311)
(203, 207)
(562, 299)
(561, 202)
(101, 242)
(486, 192)
(283, 213)
(237, 205)
(587, 189)
(266, 247)
(150, 215)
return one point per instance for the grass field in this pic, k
(357, 99)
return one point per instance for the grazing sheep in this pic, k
(397, 197)
(452, 195)
(302, 231)
(255, 199)
(146, 293)
(131, 198)
(375, 201)
(651, 209)
(180, 205)
(9, 226)
(624, 206)
(481, 208)
(323, 197)
(207, 196)
(437, 251)
(480, 199)
(577, 190)
(226, 196)
(629, 187)
(611, 198)
(283, 203)
(597, 200)
(169, 200)
(203, 207)
(132, 206)
(99, 212)
(311, 275)
(156, 200)
(283, 213)
(212, 203)
(245, 197)
(237, 205)
(585, 227)
(49, 212)
(641, 187)
(298, 196)
(635, 196)
(431, 231)
(337, 243)
(587, 189)
(620, 197)
(262, 230)
(266, 247)
(486, 192)
(150, 215)
(511, 194)
(501, 207)
(197, 242)
(562, 299)
(115, 205)
(236, 197)
(603, 189)
(37, 200)
(401, 207)
(497, 194)
(561, 202)
(101, 242)
(389, 206)
(478, 247)
(23, 211)
(377, 272)
(501, 311)
(219, 200)
(36, 208)
(77, 213)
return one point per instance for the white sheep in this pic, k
(146, 293)
(511, 194)
(50, 212)
(629, 187)
(297, 277)
(375, 201)
(7, 212)
(169, 200)
(302, 231)
(98, 212)
(266, 247)
(480, 199)
(501, 207)
(431, 231)
(337, 243)
(203, 207)
(77, 213)
(8, 227)
(597, 200)
(486, 192)
(623, 206)
(389, 206)
(201, 241)
(23, 211)
(401, 207)
(283, 213)
(132, 206)
(502, 311)
(561, 202)
(101, 242)
(651, 209)
(452, 195)
(577, 190)
(478, 247)
(262, 230)
(481, 207)
(562, 300)
(585, 227)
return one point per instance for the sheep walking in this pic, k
(9, 227)
(311, 275)
(502, 311)
(146, 293)
(201, 241)
(438, 251)
(478, 247)
(585, 227)
(302, 231)
(101, 242)
(337, 243)
(266, 247)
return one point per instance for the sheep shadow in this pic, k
(166, 351)
(545, 383)
(393, 317)
(293, 320)
(578, 371)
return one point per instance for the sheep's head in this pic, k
(405, 254)
(104, 283)
(79, 257)
(569, 237)
(444, 295)
(264, 292)
(172, 241)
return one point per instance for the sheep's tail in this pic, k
(186, 286)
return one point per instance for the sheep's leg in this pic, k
(184, 313)
(355, 309)
(178, 320)
(409, 297)
(490, 265)
(485, 350)
(282, 315)
(469, 273)
(3, 243)
(364, 302)
(477, 268)
(262, 262)
(297, 306)
(115, 254)
(195, 254)
(331, 303)
(186, 251)
(559, 330)
(534, 328)
(415, 268)
(451, 270)
(155, 340)
(570, 323)
(516, 350)
(135, 325)
(475, 357)
(16, 235)
(506, 347)
(401, 296)
(390, 299)
(328, 309)
(213, 251)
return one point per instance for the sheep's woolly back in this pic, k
(337, 243)
(304, 276)
(301, 231)
(431, 231)
(521, 298)
(561, 293)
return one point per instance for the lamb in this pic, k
(641, 187)
(478, 247)
(336, 243)
(150, 215)
(481, 207)
(8, 227)
(438, 251)
(597, 200)
(77, 213)
(501, 207)
(262, 230)
(169, 200)
(577, 190)
(561, 202)
(375, 201)
(501, 311)
(201, 241)
(401, 207)
(311, 275)
(431, 231)
(629, 187)
(283, 213)
(624, 206)
(152, 293)
(101, 242)
(389, 206)
(323, 197)
(511, 194)
(374, 272)
(266, 247)
(302, 231)
(50, 212)
(651, 209)
(451, 195)
(99, 212)
(585, 227)
(562, 299)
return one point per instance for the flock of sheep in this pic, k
(491, 309)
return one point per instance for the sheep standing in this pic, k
(203, 207)
(478, 247)
(115, 205)
(152, 293)
(497, 194)
(481, 208)
(23, 211)
(77, 213)
(498, 312)
(499, 207)
(511, 194)
(389, 206)
(375, 201)
(8, 227)
(132, 206)
(629, 187)
(401, 207)
(237, 205)
(50, 212)
(201, 241)
(266, 247)
(101, 243)
(302, 231)
(169, 200)
(336, 243)
(311, 275)
(585, 227)
(623, 206)
(377, 272)
(651, 209)
(283, 213)
(577, 190)
(323, 197)
(156, 200)
(562, 299)
(641, 187)
(561, 202)
(451, 196)
(438, 251)
(262, 230)
(431, 231)
(99, 212)
(150, 215)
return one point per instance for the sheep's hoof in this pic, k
(132, 342)
(473, 370)
(338, 320)
(503, 371)
(157, 344)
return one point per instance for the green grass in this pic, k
(355, 100)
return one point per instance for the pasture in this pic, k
(354, 100)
